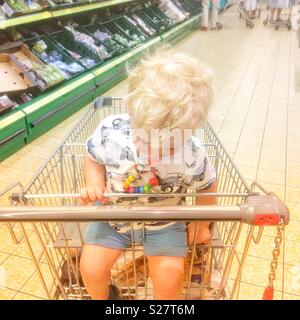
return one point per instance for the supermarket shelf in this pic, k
(55, 13)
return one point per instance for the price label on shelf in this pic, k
(7, 10)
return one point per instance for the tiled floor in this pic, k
(257, 116)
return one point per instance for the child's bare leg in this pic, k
(167, 274)
(198, 232)
(95, 265)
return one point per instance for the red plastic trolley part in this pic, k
(266, 210)
(267, 219)
(268, 293)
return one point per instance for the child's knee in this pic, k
(169, 280)
(169, 287)
(90, 272)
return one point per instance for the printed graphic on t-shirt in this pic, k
(112, 146)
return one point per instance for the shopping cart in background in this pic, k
(224, 5)
(53, 225)
(287, 7)
(243, 7)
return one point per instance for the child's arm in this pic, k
(94, 180)
(203, 234)
(208, 200)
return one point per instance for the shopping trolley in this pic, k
(242, 8)
(287, 7)
(224, 5)
(53, 225)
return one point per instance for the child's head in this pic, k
(169, 90)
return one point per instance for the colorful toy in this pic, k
(134, 183)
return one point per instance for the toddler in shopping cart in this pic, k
(169, 92)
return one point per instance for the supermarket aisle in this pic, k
(256, 115)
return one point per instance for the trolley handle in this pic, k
(24, 197)
(259, 210)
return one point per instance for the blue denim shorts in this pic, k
(167, 241)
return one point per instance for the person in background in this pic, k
(250, 7)
(277, 6)
(214, 14)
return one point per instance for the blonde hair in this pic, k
(169, 90)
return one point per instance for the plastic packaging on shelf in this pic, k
(107, 39)
(89, 42)
(17, 7)
(124, 41)
(53, 2)
(25, 97)
(6, 104)
(56, 59)
(88, 62)
(68, 2)
(172, 11)
(45, 76)
(102, 36)
(137, 21)
(65, 42)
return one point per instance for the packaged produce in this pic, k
(45, 76)
(25, 97)
(126, 42)
(107, 39)
(172, 11)
(40, 46)
(89, 42)
(88, 62)
(6, 102)
(56, 59)
(138, 21)
(13, 7)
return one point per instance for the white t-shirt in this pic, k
(112, 145)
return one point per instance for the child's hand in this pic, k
(91, 193)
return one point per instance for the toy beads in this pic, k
(130, 185)
(147, 188)
(153, 182)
